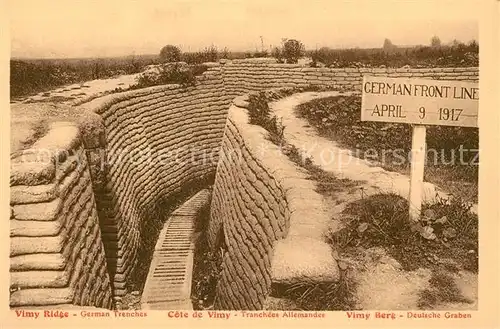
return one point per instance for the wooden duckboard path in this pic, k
(168, 284)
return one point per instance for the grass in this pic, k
(445, 241)
(307, 295)
(327, 183)
(31, 76)
(448, 230)
(207, 264)
(455, 55)
(260, 114)
(53, 99)
(38, 130)
(443, 289)
(338, 118)
(322, 296)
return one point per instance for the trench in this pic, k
(382, 280)
(162, 279)
(168, 282)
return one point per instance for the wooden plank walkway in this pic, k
(168, 284)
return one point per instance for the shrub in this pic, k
(260, 114)
(176, 73)
(209, 54)
(169, 54)
(292, 51)
(455, 55)
(388, 46)
(447, 229)
(435, 42)
(278, 54)
(258, 109)
(224, 53)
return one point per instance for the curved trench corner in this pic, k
(197, 197)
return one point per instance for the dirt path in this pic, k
(330, 157)
(26, 113)
(80, 92)
(381, 281)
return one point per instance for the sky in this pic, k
(90, 28)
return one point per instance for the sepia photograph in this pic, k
(249, 159)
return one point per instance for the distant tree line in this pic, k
(455, 54)
(33, 76)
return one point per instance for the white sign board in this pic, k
(420, 101)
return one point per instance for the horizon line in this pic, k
(219, 49)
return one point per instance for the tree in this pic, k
(388, 45)
(435, 42)
(224, 53)
(134, 66)
(292, 51)
(473, 46)
(278, 54)
(455, 43)
(210, 54)
(170, 54)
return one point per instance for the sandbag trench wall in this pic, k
(246, 75)
(128, 194)
(259, 218)
(57, 256)
(157, 141)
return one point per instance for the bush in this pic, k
(447, 229)
(225, 53)
(169, 54)
(278, 54)
(292, 51)
(176, 73)
(209, 54)
(260, 114)
(455, 55)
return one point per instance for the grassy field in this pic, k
(456, 55)
(31, 76)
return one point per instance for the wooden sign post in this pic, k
(417, 171)
(419, 102)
